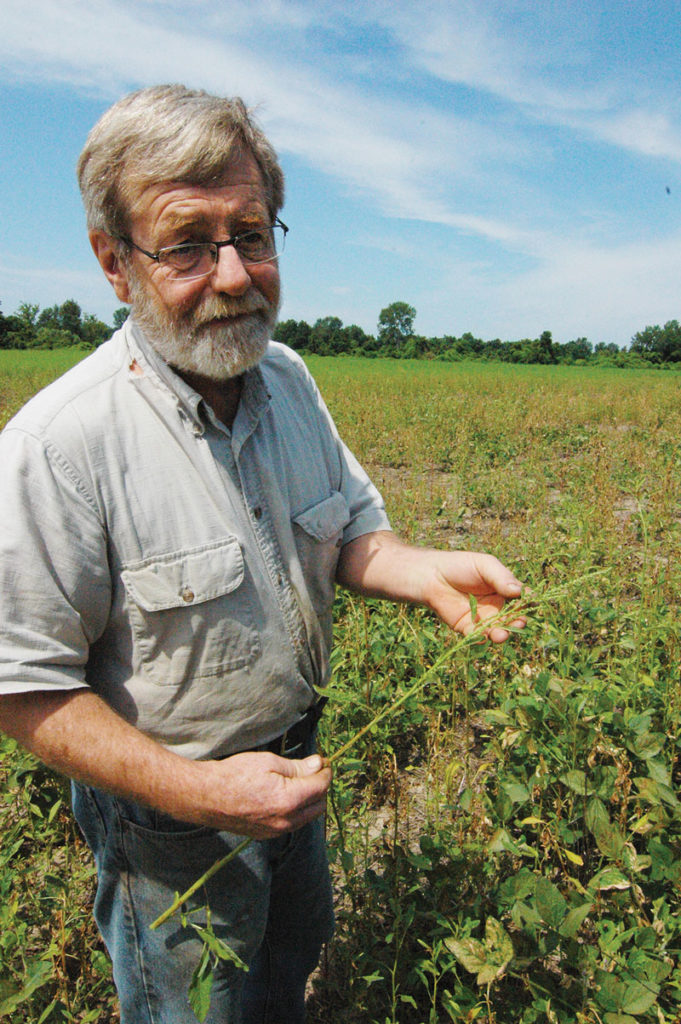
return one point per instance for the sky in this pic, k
(504, 166)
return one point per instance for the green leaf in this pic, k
(502, 842)
(550, 902)
(492, 716)
(576, 780)
(610, 991)
(54, 810)
(609, 841)
(38, 974)
(518, 886)
(201, 985)
(609, 878)
(608, 838)
(596, 814)
(619, 1018)
(638, 998)
(474, 607)
(574, 920)
(644, 968)
(216, 945)
(640, 724)
(516, 792)
(656, 792)
(647, 745)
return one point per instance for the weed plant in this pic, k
(507, 847)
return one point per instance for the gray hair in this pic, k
(168, 133)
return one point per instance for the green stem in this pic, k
(213, 870)
(476, 634)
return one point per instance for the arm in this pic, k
(254, 794)
(380, 565)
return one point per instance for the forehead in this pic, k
(241, 192)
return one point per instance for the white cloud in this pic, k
(606, 292)
(390, 125)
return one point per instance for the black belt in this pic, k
(294, 739)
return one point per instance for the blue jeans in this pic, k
(272, 905)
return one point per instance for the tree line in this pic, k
(65, 325)
(59, 326)
(395, 338)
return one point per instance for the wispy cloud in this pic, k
(451, 114)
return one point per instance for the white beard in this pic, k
(194, 343)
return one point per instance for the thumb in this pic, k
(307, 766)
(494, 572)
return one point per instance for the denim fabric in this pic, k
(272, 905)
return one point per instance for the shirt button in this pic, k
(187, 595)
(257, 512)
(280, 581)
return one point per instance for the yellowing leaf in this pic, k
(469, 952)
(573, 857)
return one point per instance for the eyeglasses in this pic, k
(191, 260)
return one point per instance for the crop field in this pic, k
(506, 843)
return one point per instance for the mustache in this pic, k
(217, 307)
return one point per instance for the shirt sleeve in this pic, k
(55, 588)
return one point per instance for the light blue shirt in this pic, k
(183, 571)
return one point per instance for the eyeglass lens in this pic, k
(198, 260)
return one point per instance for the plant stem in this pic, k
(477, 633)
(213, 870)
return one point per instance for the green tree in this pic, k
(294, 333)
(93, 331)
(580, 348)
(120, 315)
(326, 336)
(55, 337)
(70, 317)
(25, 325)
(663, 344)
(355, 339)
(395, 326)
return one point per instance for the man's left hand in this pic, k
(380, 565)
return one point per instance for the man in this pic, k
(174, 513)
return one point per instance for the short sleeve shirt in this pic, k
(183, 571)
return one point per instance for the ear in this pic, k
(105, 249)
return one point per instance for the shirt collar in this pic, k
(254, 396)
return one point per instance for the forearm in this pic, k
(254, 794)
(79, 735)
(380, 565)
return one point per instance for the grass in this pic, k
(507, 847)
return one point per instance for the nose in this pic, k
(229, 274)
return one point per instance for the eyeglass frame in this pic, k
(232, 240)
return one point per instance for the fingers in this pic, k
(301, 769)
(497, 575)
(490, 608)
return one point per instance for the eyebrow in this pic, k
(256, 214)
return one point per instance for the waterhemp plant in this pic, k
(214, 949)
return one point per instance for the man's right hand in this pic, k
(254, 794)
(262, 795)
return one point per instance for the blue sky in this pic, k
(506, 167)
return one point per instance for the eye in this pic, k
(255, 245)
(184, 257)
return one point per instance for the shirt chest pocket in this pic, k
(318, 535)
(191, 614)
